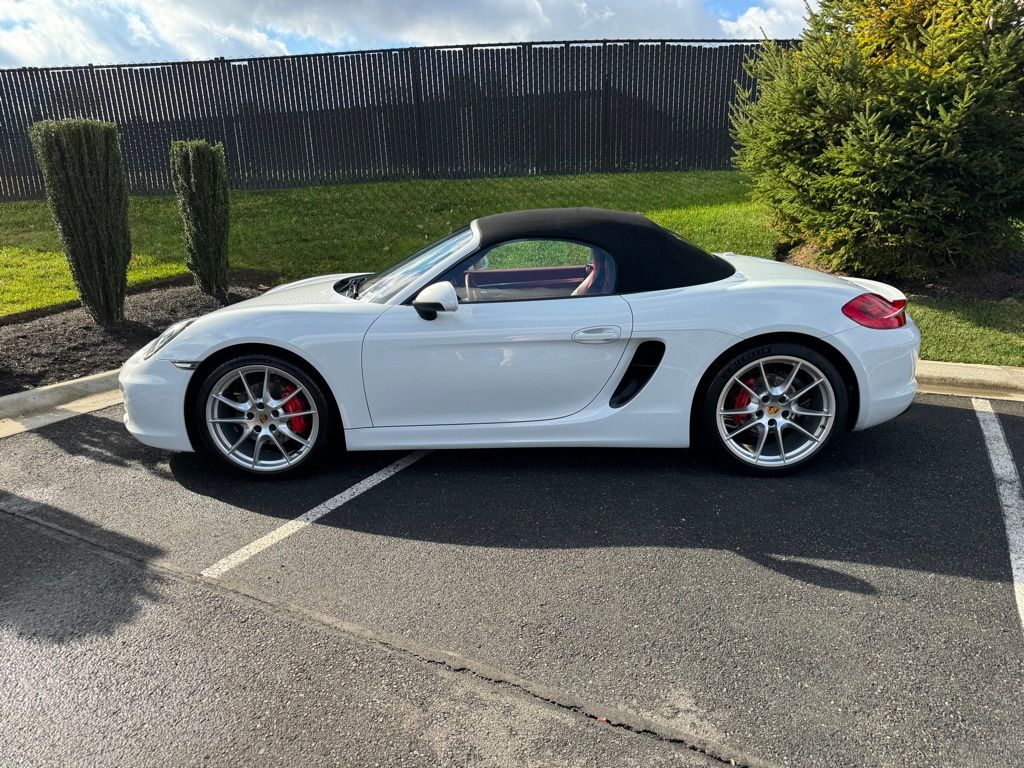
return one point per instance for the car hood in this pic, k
(312, 290)
(301, 310)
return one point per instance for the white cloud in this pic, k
(61, 32)
(774, 19)
(38, 31)
(140, 31)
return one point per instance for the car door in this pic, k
(520, 347)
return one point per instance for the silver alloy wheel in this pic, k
(251, 412)
(776, 411)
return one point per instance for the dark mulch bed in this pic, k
(70, 344)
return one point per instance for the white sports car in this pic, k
(557, 327)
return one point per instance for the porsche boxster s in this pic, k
(555, 327)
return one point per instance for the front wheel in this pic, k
(775, 407)
(262, 415)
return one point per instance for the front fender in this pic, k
(327, 338)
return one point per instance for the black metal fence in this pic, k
(446, 112)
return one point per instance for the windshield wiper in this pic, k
(352, 287)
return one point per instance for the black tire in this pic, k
(713, 428)
(324, 433)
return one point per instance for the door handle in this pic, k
(598, 334)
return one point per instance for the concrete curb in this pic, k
(969, 379)
(948, 378)
(21, 404)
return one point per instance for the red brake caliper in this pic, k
(742, 400)
(298, 424)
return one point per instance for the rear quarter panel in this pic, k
(744, 308)
(700, 323)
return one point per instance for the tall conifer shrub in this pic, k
(83, 174)
(200, 180)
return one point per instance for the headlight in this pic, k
(164, 338)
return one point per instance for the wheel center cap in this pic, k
(773, 409)
(263, 418)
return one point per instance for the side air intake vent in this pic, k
(645, 362)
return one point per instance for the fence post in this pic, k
(417, 105)
(222, 69)
(605, 110)
(94, 102)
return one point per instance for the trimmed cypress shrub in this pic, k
(892, 138)
(83, 174)
(200, 180)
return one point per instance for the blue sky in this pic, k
(728, 9)
(64, 32)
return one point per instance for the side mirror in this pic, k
(439, 297)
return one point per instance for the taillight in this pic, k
(873, 311)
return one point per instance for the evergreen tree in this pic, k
(892, 137)
(85, 186)
(200, 180)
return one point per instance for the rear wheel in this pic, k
(263, 415)
(775, 407)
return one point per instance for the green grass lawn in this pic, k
(989, 332)
(294, 233)
(299, 232)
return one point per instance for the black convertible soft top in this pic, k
(647, 257)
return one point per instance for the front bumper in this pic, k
(154, 402)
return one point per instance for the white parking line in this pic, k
(16, 425)
(1011, 495)
(224, 565)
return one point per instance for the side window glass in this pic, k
(534, 269)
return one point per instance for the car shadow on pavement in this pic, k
(916, 493)
(56, 590)
(284, 497)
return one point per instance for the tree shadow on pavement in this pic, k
(54, 589)
(809, 573)
(100, 438)
(95, 446)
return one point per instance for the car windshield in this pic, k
(384, 285)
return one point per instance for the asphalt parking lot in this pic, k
(519, 607)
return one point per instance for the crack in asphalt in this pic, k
(605, 715)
